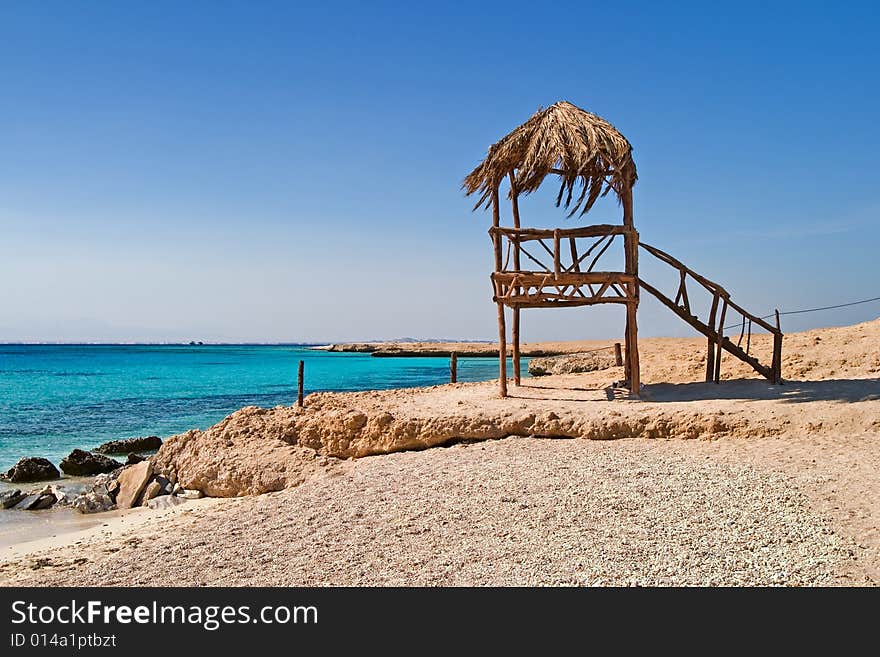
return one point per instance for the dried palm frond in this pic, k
(581, 148)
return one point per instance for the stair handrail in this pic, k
(711, 286)
(713, 332)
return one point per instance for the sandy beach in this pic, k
(696, 483)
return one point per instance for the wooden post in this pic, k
(517, 373)
(453, 368)
(299, 384)
(777, 351)
(496, 235)
(502, 352)
(720, 335)
(631, 251)
(502, 329)
(514, 202)
(557, 267)
(572, 246)
(710, 352)
(632, 327)
(618, 358)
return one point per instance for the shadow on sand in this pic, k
(839, 390)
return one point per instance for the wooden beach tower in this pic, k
(560, 267)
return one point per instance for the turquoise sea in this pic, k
(54, 398)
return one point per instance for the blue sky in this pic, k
(275, 172)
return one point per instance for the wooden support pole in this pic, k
(710, 352)
(557, 267)
(517, 374)
(749, 337)
(618, 357)
(631, 252)
(299, 384)
(502, 329)
(514, 199)
(720, 340)
(514, 204)
(502, 352)
(572, 246)
(453, 368)
(633, 354)
(496, 235)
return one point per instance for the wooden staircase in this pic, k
(713, 327)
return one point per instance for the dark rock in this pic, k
(10, 498)
(27, 501)
(36, 501)
(44, 502)
(134, 458)
(165, 483)
(32, 468)
(139, 444)
(80, 463)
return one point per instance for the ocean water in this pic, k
(54, 398)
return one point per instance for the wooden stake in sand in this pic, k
(299, 384)
(618, 357)
(453, 368)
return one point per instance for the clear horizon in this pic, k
(284, 174)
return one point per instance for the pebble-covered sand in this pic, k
(518, 511)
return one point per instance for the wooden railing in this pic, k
(552, 267)
(714, 327)
(560, 245)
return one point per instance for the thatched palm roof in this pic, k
(580, 147)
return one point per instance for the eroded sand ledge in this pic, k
(260, 450)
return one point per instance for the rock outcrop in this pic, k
(153, 489)
(80, 463)
(32, 468)
(132, 482)
(37, 501)
(10, 498)
(571, 363)
(234, 457)
(94, 502)
(128, 445)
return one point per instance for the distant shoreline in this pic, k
(161, 344)
(326, 346)
(462, 349)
